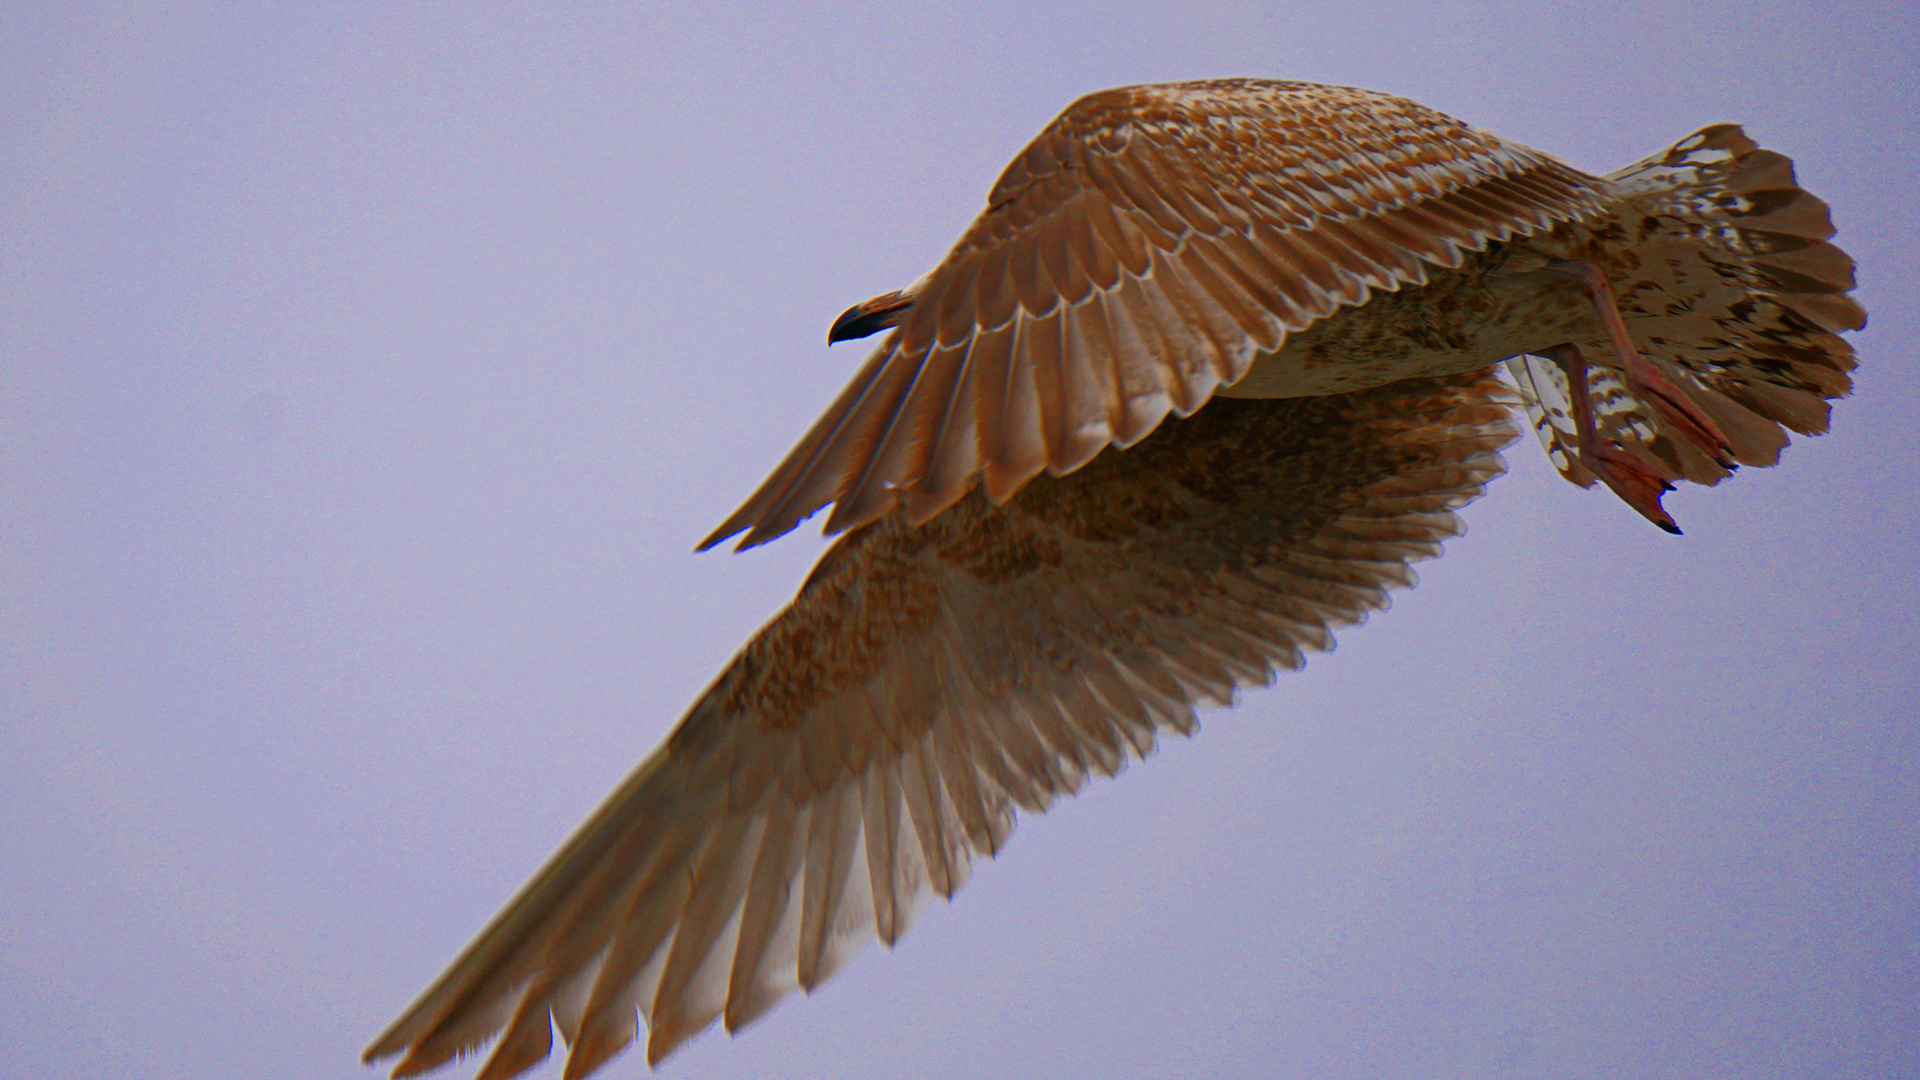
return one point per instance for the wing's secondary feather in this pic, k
(1138, 255)
(1014, 611)
(879, 735)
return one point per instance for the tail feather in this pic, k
(1736, 295)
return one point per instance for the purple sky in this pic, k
(367, 376)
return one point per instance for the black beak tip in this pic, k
(855, 322)
(869, 318)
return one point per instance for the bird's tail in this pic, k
(1738, 298)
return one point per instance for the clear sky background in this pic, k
(368, 372)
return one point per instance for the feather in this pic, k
(1317, 281)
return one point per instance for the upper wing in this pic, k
(879, 734)
(1141, 252)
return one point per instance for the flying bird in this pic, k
(1218, 361)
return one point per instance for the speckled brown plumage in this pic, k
(928, 680)
(1726, 277)
(1158, 245)
(1333, 273)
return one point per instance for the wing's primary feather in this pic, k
(879, 735)
(1137, 255)
(985, 638)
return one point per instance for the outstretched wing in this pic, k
(879, 734)
(1140, 253)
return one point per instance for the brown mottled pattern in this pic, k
(1496, 304)
(927, 681)
(987, 637)
(1158, 245)
(1148, 248)
(1729, 286)
(1196, 480)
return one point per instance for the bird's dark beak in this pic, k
(869, 317)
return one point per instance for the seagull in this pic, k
(1216, 364)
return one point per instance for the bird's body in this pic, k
(1157, 244)
(1460, 320)
(1046, 568)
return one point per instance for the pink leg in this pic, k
(1637, 482)
(1672, 403)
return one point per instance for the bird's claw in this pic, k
(1635, 480)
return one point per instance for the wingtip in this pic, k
(715, 539)
(754, 537)
(756, 534)
(386, 1045)
(772, 527)
(416, 1063)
